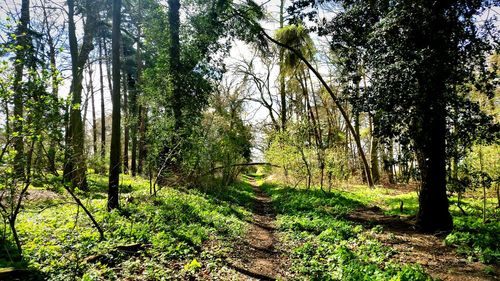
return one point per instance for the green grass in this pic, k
(329, 247)
(184, 232)
(59, 240)
(325, 245)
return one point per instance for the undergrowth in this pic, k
(173, 234)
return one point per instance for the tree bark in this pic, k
(143, 115)
(374, 151)
(430, 131)
(51, 152)
(433, 214)
(133, 98)
(114, 157)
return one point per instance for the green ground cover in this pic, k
(171, 235)
(325, 245)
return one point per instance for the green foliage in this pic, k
(221, 140)
(476, 239)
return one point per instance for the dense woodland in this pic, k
(241, 140)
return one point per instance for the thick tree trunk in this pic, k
(114, 157)
(22, 52)
(175, 64)
(433, 214)
(430, 140)
(75, 169)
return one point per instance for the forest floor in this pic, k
(252, 230)
(413, 247)
(259, 255)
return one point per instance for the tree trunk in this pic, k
(103, 109)
(51, 152)
(133, 98)
(126, 136)
(108, 69)
(282, 76)
(143, 114)
(175, 64)
(433, 214)
(374, 152)
(22, 53)
(94, 121)
(114, 156)
(75, 169)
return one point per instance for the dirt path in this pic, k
(413, 247)
(257, 256)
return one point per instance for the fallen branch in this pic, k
(77, 200)
(243, 165)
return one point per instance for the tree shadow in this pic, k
(12, 268)
(298, 201)
(370, 217)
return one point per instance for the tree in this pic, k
(175, 61)
(75, 168)
(302, 58)
(114, 155)
(417, 52)
(22, 56)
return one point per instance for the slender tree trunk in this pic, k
(374, 151)
(126, 134)
(143, 115)
(94, 121)
(108, 69)
(103, 109)
(133, 99)
(114, 157)
(22, 53)
(481, 169)
(282, 76)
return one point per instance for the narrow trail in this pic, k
(257, 256)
